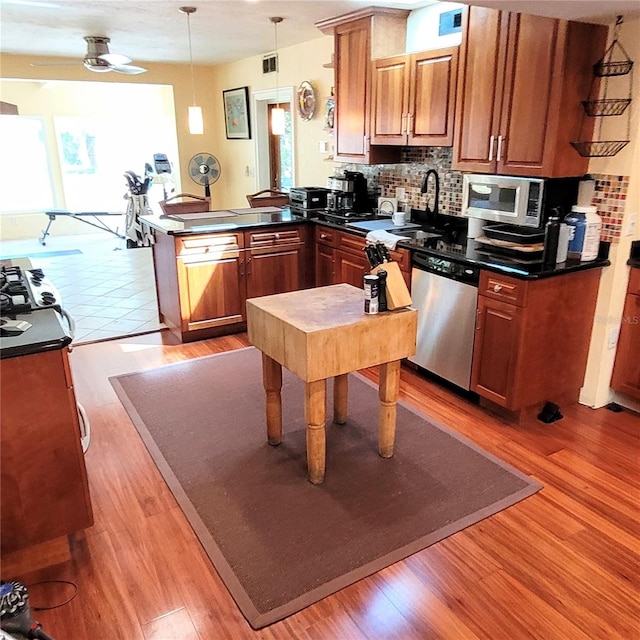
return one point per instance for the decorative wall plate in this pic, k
(306, 100)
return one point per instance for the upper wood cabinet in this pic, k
(414, 98)
(521, 82)
(358, 37)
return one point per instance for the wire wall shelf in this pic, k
(601, 107)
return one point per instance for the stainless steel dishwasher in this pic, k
(445, 293)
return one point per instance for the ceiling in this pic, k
(222, 30)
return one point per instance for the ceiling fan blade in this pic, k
(54, 64)
(115, 59)
(129, 69)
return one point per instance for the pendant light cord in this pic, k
(193, 83)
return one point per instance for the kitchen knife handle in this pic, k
(385, 253)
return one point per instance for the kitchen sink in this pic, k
(416, 234)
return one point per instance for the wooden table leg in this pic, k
(315, 396)
(388, 393)
(272, 380)
(340, 395)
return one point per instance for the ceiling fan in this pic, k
(99, 59)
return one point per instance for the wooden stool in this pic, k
(322, 333)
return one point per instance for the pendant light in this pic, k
(196, 124)
(277, 114)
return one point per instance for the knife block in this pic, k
(398, 295)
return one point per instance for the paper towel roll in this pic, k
(476, 227)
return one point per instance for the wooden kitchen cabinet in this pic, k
(358, 37)
(44, 488)
(414, 98)
(203, 281)
(626, 369)
(532, 338)
(340, 258)
(275, 261)
(520, 85)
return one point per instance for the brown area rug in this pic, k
(279, 542)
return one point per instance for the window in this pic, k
(25, 182)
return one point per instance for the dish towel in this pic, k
(389, 240)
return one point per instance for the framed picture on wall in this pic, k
(236, 113)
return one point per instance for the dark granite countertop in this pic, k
(454, 245)
(48, 332)
(218, 221)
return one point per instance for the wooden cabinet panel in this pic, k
(496, 349)
(275, 271)
(626, 369)
(432, 97)
(325, 260)
(358, 37)
(414, 98)
(390, 100)
(211, 291)
(43, 486)
(351, 268)
(352, 48)
(532, 337)
(480, 86)
(521, 82)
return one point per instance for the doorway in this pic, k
(275, 161)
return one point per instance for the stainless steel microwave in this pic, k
(518, 201)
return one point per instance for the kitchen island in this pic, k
(207, 264)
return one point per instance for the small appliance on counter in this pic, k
(348, 193)
(308, 198)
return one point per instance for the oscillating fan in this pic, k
(204, 169)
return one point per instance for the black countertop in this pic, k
(48, 331)
(217, 221)
(454, 245)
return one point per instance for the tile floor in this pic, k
(109, 290)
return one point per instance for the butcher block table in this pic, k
(322, 333)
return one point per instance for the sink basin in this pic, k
(416, 234)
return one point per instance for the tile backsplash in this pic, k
(383, 179)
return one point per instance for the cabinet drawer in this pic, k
(504, 288)
(325, 235)
(272, 237)
(212, 243)
(350, 242)
(634, 282)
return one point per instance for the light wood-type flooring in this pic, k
(561, 565)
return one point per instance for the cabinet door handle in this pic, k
(248, 266)
(277, 236)
(478, 319)
(497, 288)
(323, 236)
(241, 261)
(500, 139)
(491, 138)
(403, 125)
(409, 123)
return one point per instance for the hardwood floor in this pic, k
(563, 564)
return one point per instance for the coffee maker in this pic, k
(348, 193)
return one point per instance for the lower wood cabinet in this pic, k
(532, 337)
(340, 258)
(626, 369)
(203, 281)
(43, 487)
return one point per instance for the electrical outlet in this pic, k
(613, 337)
(14, 222)
(401, 193)
(632, 224)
